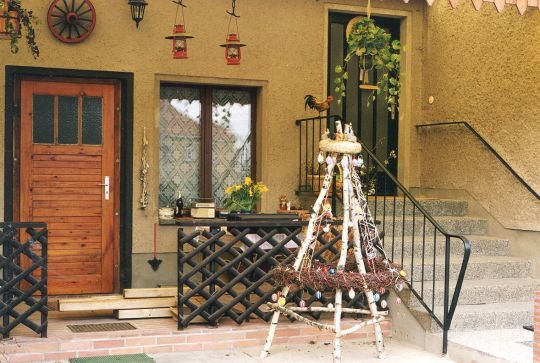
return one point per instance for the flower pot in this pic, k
(12, 17)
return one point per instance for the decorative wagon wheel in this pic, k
(71, 21)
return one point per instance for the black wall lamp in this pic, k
(137, 10)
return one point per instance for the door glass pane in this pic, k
(68, 120)
(43, 119)
(180, 144)
(92, 120)
(231, 139)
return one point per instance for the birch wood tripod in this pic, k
(356, 218)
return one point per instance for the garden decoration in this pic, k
(375, 50)
(180, 36)
(361, 269)
(143, 177)
(14, 20)
(244, 197)
(315, 104)
(155, 262)
(71, 22)
(232, 43)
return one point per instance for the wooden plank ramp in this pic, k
(114, 303)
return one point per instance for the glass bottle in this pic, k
(179, 206)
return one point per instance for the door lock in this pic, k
(106, 186)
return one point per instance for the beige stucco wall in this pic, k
(286, 57)
(483, 67)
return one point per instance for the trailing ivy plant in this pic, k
(367, 40)
(26, 21)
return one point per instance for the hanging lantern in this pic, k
(232, 43)
(137, 10)
(179, 39)
(179, 36)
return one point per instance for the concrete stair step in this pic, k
(475, 292)
(380, 206)
(480, 246)
(479, 267)
(416, 226)
(504, 315)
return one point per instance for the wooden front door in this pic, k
(67, 179)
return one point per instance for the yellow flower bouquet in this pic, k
(245, 196)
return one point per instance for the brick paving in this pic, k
(154, 336)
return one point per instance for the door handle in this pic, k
(107, 187)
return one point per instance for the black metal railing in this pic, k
(430, 255)
(226, 270)
(24, 276)
(489, 147)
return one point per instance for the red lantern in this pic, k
(232, 49)
(179, 43)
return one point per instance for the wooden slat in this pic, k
(74, 239)
(74, 246)
(67, 164)
(143, 313)
(118, 302)
(66, 157)
(74, 232)
(74, 284)
(59, 212)
(150, 292)
(68, 264)
(85, 252)
(74, 197)
(68, 177)
(77, 171)
(82, 183)
(78, 258)
(67, 149)
(61, 226)
(62, 203)
(75, 271)
(63, 191)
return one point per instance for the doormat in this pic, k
(96, 328)
(125, 358)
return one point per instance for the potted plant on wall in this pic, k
(243, 198)
(16, 20)
(375, 50)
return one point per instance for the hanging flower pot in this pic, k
(15, 22)
(8, 16)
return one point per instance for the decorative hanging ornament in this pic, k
(302, 304)
(384, 304)
(318, 295)
(179, 36)
(232, 43)
(275, 297)
(73, 22)
(282, 301)
(352, 294)
(320, 158)
(330, 306)
(376, 297)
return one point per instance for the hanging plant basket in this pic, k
(16, 21)
(6, 17)
(376, 50)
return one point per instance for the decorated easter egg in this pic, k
(302, 304)
(402, 273)
(275, 297)
(318, 295)
(330, 306)
(282, 301)
(376, 297)
(352, 294)
(384, 304)
(332, 271)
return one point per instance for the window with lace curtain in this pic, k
(206, 141)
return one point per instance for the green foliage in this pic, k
(244, 196)
(368, 40)
(25, 19)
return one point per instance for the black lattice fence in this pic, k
(226, 269)
(23, 286)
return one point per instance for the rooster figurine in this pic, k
(315, 104)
